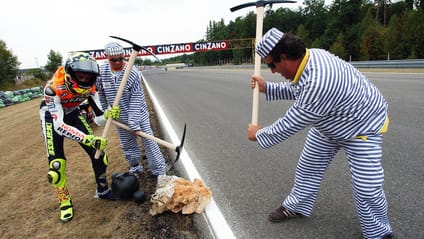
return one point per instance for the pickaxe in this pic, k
(177, 149)
(135, 49)
(259, 25)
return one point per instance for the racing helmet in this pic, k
(81, 62)
(124, 185)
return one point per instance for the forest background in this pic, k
(354, 30)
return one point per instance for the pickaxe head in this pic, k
(260, 3)
(179, 148)
(135, 46)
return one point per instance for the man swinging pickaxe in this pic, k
(135, 49)
(259, 25)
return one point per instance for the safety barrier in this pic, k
(412, 63)
(388, 64)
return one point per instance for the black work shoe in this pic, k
(280, 214)
(388, 236)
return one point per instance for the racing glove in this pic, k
(112, 113)
(96, 142)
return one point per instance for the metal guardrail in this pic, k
(388, 64)
(412, 63)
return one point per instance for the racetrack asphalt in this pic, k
(248, 182)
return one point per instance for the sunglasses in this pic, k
(116, 59)
(271, 65)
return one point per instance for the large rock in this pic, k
(177, 194)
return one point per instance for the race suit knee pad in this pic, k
(56, 174)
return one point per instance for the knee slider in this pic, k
(56, 175)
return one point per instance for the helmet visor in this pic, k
(85, 66)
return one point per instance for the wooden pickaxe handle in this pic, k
(177, 149)
(259, 27)
(258, 61)
(147, 136)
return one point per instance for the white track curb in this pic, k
(213, 215)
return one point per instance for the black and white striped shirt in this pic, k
(332, 96)
(132, 103)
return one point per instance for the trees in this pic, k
(352, 29)
(8, 65)
(372, 38)
(394, 44)
(337, 47)
(54, 60)
(316, 18)
(414, 33)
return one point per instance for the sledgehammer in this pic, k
(177, 149)
(259, 24)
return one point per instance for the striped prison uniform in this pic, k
(345, 111)
(134, 113)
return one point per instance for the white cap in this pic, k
(113, 49)
(268, 41)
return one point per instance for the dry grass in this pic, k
(28, 205)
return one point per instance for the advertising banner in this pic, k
(169, 49)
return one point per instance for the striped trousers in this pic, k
(367, 179)
(131, 149)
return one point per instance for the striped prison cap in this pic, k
(113, 49)
(268, 41)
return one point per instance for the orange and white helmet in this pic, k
(81, 62)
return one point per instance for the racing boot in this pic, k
(103, 191)
(66, 208)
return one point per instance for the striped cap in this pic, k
(268, 42)
(113, 49)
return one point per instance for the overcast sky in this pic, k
(31, 28)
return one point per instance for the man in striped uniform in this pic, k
(132, 110)
(346, 111)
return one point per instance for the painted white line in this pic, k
(214, 217)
